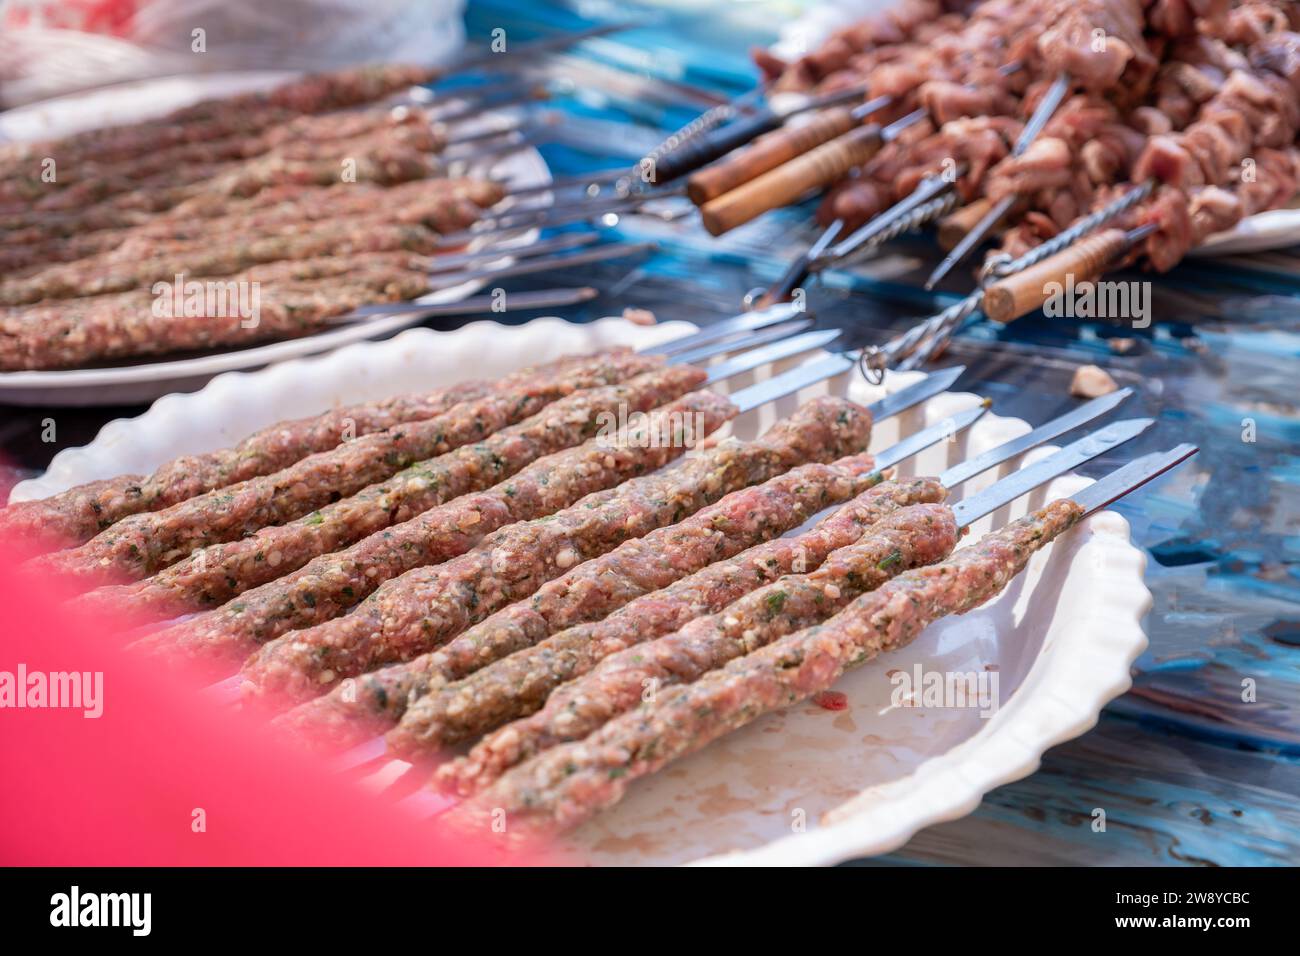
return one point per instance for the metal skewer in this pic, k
(530, 94)
(917, 344)
(930, 188)
(708, 120)
(581, 211)
(475, 305)
(615, 250)
(970, 510)
(753, 340)
(452, 261)
(932, 197)
(1047, 106)
(518, 125)
(1131, 477)
(736, 325)
(622, 178)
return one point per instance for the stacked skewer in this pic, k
(1080, 135)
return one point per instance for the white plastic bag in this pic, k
(50, 47)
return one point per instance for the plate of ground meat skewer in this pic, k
(541, 575)
(237, 231)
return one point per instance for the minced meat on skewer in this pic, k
(294, 138)
(442, 212)
(570, 783)
(242, 115)
(306, 138)
(332, 583)
(914, 536)
(638, 567)
(108, 273)
(215, 574)
(381, 163)
(428, 606)
(142, 544)
(125, 331)
(78, 514)
(221, 211)
(52, 320)
(519, 684)
(436, 203)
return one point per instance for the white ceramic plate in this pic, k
(865, 779)
(143, 381)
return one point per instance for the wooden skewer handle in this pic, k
(768, 152)
(785, 184)
(1019, 294)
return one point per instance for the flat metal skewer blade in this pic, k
(453, 261)
(970, 240)
(914, 444)
(1046, 108)
(872, 106)
(1085, 413)
(516, 301)
(528, 266)
(584, 181)
(792, 381)
(933, 384)
(592, 206)
(361, 754)
(545, 216)
(1132, 476)
(782, 290)
(745, 322)
(782, 331)
(785, 348)
(225, 692)
(928, 189)
(465, 139)
(428, 803)
(899, 125)
(971, 509)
